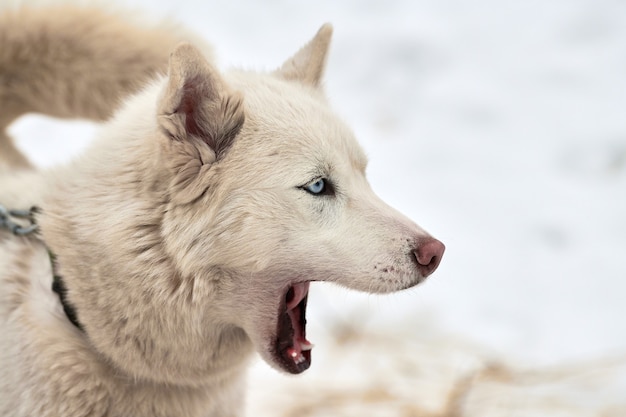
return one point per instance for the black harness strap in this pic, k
(58, 286)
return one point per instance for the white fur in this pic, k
(178, 233)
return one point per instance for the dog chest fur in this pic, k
(181, 233)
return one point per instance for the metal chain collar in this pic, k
(8, 221)
(8, 217)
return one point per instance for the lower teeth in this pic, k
(295, 355)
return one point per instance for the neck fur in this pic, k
(102, 219)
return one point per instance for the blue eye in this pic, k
(316, 187)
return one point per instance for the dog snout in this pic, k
(428, 254)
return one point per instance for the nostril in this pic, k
(428, 254)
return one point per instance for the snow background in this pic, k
(500, 127)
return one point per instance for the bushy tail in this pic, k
(74, 62)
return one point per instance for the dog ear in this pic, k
(200, 117)
(307, 65)
(197, 104)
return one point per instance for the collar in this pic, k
(13, 220)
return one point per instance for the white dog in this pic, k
(186, 237)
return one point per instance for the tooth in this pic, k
(293, 353)
(306, 346)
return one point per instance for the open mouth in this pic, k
(292, 349)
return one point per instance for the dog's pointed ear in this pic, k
(197, 104)
(307, 65)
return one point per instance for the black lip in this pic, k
(284, 336)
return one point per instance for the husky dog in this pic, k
(186, 236)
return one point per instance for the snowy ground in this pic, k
(500, 127)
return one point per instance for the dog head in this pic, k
(267, 188)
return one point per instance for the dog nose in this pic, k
(428, 255)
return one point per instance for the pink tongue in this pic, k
(299, 339)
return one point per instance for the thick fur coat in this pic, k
(187, 235)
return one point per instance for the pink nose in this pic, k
(428, 255)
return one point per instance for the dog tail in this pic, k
(74, 62)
